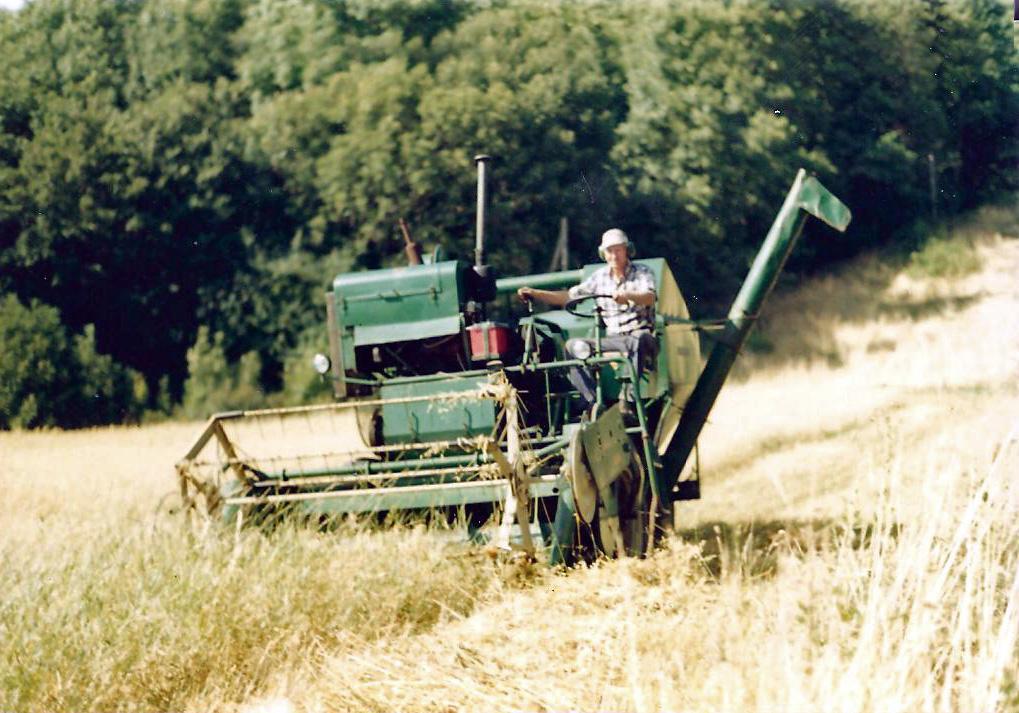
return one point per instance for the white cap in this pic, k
(613, 236)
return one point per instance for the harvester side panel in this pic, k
(446, 419)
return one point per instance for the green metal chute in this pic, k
(806, 196)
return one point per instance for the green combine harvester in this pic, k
(441, 408)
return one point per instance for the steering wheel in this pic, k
(571, 306)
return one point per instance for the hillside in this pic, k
(855, 548)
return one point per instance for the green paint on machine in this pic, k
(398, 305)
(439, 418)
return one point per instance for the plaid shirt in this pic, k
(620, 319)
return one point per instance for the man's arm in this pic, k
(644, 299)
(553, 298)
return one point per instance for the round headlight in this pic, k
(321, 363)
(579, 348)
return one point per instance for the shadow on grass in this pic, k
(753, 549)
(800, 325)
(932, 307)
(782, 443)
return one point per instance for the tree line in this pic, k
(180, 179)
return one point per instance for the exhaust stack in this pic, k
(482, 219)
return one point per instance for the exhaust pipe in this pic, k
(482, 219)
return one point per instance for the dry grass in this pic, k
(111, 602)
(856, 550)
(892, 612)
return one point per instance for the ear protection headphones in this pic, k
(630, 251)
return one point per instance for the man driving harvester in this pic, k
(627, 302)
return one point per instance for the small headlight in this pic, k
(580, 348)
(321, 364)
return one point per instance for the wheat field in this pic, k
(856, 549)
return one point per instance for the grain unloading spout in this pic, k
(807, 196)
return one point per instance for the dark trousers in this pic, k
(639, 346)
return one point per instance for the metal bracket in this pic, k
(335, 348)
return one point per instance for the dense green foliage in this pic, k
(170, 165)
(50, 379)
(214, 384)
